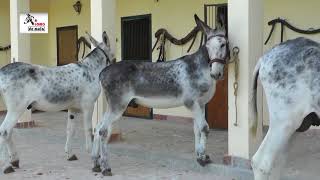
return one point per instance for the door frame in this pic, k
(130, 18)
(58, 29)
(136, 17)
(216, 6)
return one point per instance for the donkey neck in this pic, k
(96, 60)
(201, 56)
(203, 52)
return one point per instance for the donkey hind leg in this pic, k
(201, 128)
(6, 139)
(13, 154)
(95, 153)
(87, 120)
(70, 135)
(275, 142)
(281, 159)
(109, 119)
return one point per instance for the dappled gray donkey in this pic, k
(74, 87)
(189, 81)
(290, 76)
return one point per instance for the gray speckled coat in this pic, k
(290, 76)
(189, 81)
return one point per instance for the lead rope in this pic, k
(235, 56)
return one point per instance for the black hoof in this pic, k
(205, 161)
(73, 158)
(8, 170)
(15, 163)
(96, 169)
(107, 172)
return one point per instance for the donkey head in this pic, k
(104, 45)
(217, 47)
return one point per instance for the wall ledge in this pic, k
(237, 162)
(21, 125)
(180, 119)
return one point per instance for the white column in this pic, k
(20, 43)
(103, 15)
(246, 32)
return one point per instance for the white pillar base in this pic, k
(103, 15)
(246, 32)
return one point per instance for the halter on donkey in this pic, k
(74, 87)
(189, 81)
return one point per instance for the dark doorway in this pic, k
(217, 108)
(136, 46)
(67, 45)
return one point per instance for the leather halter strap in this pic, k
(108, 59)
(218, 60)
(222, 61)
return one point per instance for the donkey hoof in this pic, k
(73, 158)
(107, 172)
(8, 170)
(204, 160)
(103, 133)
(96, 169)
(15, 163)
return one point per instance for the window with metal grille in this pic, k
(136, 37)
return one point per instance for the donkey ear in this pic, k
(93, 41)
(205, 28)
(105, 39)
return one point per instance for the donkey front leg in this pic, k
(70, 134)
(196, 135)
(6, 140)
(13, 154)
(201, 131)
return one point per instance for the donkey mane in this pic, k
(202, 52)
(96, 53)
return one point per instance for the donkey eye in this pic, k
(223, 45)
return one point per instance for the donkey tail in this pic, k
(253, 113)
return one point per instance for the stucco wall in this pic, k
(61, 13)
(302, 14)
(39, 42)
(4, 31)
(176, 16)
(4, 36)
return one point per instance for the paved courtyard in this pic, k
(150, 150)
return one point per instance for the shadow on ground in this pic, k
(150, 150)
